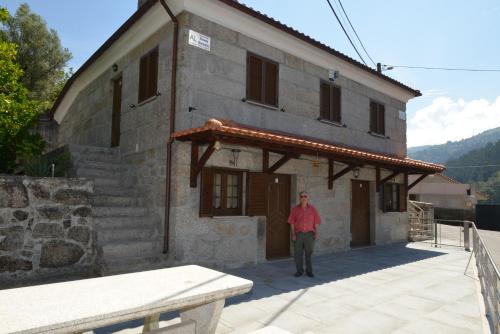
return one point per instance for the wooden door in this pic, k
(117, 106)
(360, 213)
(278, 209)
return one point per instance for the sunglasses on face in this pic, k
(303, 196)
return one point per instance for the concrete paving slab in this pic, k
(402, 289)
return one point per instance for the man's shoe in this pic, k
(310, 274)
(298, 274)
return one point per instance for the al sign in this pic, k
(199, 40)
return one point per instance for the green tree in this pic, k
(17, 111)
(40, 55)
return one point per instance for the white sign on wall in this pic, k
(199, 40)
(402, 115)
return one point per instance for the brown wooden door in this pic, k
(117, 106)
(278, 209)
(360, 213)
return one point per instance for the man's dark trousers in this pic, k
(304, 241)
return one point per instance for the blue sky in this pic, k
(445, 33)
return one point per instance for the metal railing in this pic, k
(488, 274)
(421, 218)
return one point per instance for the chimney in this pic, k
(140, 3)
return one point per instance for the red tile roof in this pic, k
(227, 128)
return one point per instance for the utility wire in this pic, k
(345, 32)
(443, 68)
(357, 36)
(478, 166)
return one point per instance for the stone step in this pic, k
(116, 235)
(87, 172)
(107, 181)
(114, 190)
(114, 200)
(94, 157)
(119, 211)
(101, 165)
(130, 248)
(82, 149)
(135, 263)
(144, 222)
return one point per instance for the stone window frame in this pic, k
(148, 75)
(207, 192)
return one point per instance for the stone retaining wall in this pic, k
(46, 229)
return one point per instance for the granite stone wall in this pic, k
(46, 228)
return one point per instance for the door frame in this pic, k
(369, 208)
(288, 202)
(116, 137)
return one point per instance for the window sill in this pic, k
(325, 121)
(262, 105)
(146, 101)
(374, 134)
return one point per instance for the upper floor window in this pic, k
(377, 118)
(262, 80)
(329, 102)
(221, 192)
(148, 75)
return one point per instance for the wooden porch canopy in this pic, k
(292, 146)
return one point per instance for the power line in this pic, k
(390, 67)
(448, 167)
(357, 36)
(345, 32)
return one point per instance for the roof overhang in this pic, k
(233, 133)
(233, 15)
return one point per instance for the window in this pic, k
(148, 75)
(393, 197)
(377, 118)
(329, 102)
(221, 192)
(262, 80)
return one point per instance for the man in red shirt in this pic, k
(304, 220)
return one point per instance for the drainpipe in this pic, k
(173, 93)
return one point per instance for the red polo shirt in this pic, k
(304, 219)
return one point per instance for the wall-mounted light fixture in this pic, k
(355, 172)
(236, 155)
(217, 145)
(114, 67)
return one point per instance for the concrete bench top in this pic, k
(81, 305)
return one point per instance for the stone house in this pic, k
(200, 120)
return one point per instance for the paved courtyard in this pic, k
(392, 289)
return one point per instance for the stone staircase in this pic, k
(128, 237)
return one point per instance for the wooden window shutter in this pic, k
(206, 193)
(153, 73)
(324, 97)
(402, 197)
(143, 72)
(254, 78)
(335, 111)
(373, 117)
(271, 84)
(381, 119)
(257, 194)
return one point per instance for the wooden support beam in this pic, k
(377, 178)
(195, 149)
(330, 174)
(265, 160)
(197, 166)
(416, 181)
(283, 160)
(344, 171)
(387, 178)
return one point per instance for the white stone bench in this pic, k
(78, 306)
